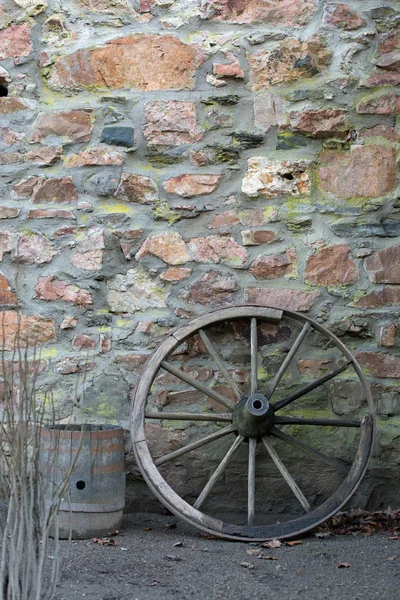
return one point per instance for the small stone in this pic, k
(331, 266)
(137, 188)
(146, 327)
(20, 329)
(15, 41)
(90, 246)
(133, 292)
(288, 61)
(105, 343)
(94, 156)
(274, 265)
(343, 17)
(69, 323)
(212, 288)
(188, 186)
(368, 171)
(254, 218)
(50, 213)
(379, 364)
(7, 212)
(287, 12)
(198, 159)
(226, 218)
(270, 110)
(146, 62)
(310, 367)
(131, 362)
(387, 336)
(270, 178)
(68, 366)
(388, 404)
(346, 396)
(215, 81)
(44, 156)
(12, 104)
(256, 237)
(117, 136)
(74, 126)
(232, 69)
(128, 240)
(49, 289)
(321, 123)
(171, 123)
(385, 297)
(286, 299)
(384, 266)
(387, 104)
(215, 249)
(10, 137)
(169, 247)
(175, 274)
(84, 206)
(8, 298)
(83, 342)
(34, 249)
(39, 189)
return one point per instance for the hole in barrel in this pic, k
(257, 404)
(80, 484)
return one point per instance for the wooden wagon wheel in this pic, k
(255, 420)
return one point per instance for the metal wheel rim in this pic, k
(182, 509)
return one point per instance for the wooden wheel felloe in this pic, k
(257, 423)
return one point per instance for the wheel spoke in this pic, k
(320, 422)
(198, 386)
(287, 361)
(253, 353)
(189, 416)
(286, 475)
(251, 482)
(215, 356)
(311, 386)
(194, 445)
(218, 472)
(285, 437)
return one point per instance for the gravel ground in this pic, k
(159, 557)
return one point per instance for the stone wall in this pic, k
(160, 158)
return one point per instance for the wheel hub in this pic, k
(253, 416)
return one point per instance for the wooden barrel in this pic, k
(93, 502)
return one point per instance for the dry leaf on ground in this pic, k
(272, 544)
(343, 565)
(247, 565)
(294, 543)
(254, 551)
(104, 541)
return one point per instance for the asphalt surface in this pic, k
(159, 557)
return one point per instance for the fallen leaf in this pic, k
(146, 528)
(298, 571)
(173, 557)
(247, 565)
(268, 557)
(104, 541)
(294, 543)
(178, 545)
(393, 557)
(343, 565)
(272, 544)
(254, 551)
(208, 536)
